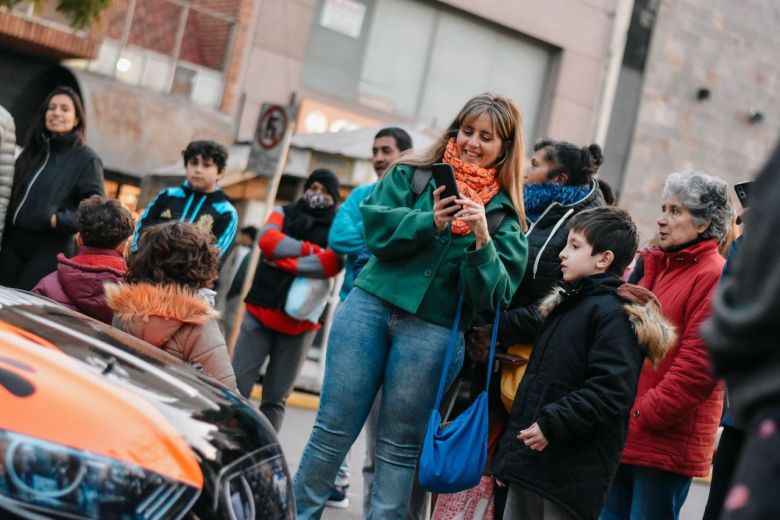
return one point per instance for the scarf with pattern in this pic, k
(475, 183)
(538, 195)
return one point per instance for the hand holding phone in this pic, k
(444, 178)
(444, 175)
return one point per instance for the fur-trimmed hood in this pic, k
(155, 313)
(654, 332)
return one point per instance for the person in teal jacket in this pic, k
(393, 329)
(346, 233)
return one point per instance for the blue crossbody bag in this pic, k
(454, 456)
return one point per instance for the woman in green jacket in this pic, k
(393, 329)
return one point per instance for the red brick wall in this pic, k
(156, 22)
(240, 51)
(155, 25)
(28, 35)
(206, 40)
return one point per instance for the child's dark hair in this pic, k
(579, 164)
(207, 150)
(104, 223)
(174, 253)
(609, 229)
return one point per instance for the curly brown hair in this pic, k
(103, 222)
(174, 253)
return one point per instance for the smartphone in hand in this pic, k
(444, 175)
(742, 189)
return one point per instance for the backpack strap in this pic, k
(422, 176)
(420, 179)
(494, 220)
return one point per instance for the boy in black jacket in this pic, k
(199, 199)
(569, 421)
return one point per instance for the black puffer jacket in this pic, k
(579, 387)
(546, 238)
(68, 174)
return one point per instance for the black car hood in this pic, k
(221, 428)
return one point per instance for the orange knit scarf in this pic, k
(475, 183)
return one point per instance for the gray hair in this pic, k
(706, 197)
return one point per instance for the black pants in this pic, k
(28, 256)
(729, 448)
(522, 504)
(753, 491)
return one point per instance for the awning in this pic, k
(137, 131)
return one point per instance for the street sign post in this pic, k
(267, 146)
(268, 155)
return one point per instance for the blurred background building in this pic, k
(664, 85)
(155, 74)
(699, 88)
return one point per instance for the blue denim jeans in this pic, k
(372, 345)
(640, 493)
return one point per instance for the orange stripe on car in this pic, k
(75, 407)
(28, 335)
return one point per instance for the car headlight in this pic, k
(257, 485)
(45, 477)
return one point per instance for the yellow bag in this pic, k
(513, 365)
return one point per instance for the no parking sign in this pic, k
(272, 125)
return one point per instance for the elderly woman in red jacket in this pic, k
(678, 406)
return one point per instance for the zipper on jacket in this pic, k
(186, 208)
(549, 237)
(29, 186)
(197, 208)
(533, 224)
(557, 225)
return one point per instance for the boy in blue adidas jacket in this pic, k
(199, 199)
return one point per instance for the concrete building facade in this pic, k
(357, 63)
(709, 100)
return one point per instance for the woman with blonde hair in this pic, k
(392, 331)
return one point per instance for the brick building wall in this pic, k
(209, 41)
(728, 48)
(155, 24)
(29, 35)
(239, 55)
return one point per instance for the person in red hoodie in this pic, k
(104, 227)
(675, 418)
